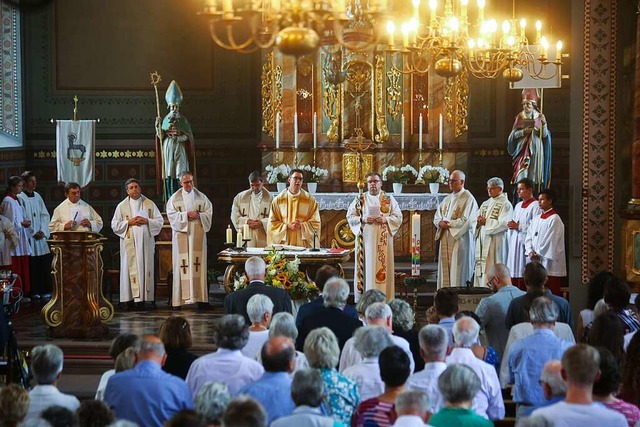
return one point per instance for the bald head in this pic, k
(278, 355)
(456, 181)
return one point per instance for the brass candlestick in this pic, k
(419, 158)
(440, 150)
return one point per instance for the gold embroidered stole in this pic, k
(184, 267)
(382, 240)
(129, 243)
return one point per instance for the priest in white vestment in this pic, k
(251, 207)
(74, 214)
(190, 213)
(545, 242)
(294, 218)
(490, 232)
(137, 220)
(453, 229)
(523, 214)
(382, 220)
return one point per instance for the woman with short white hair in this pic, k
(260, 310)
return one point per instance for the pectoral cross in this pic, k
(242, 212)
(184, 266)
(197, 263)
(264, 213)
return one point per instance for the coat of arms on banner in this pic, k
(75, 152)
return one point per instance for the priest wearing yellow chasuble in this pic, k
(294, 215)
(190, 213)
(382, 220)
(137, 220)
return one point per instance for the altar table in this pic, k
(307, 259)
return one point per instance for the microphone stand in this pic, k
(315, 239)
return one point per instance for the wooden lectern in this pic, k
(77, 308)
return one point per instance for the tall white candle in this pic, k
(229, 234)
(295, 131)
(239, 241)
(246, 231)
(420, 131)
(415, 245)
(315, 130)
(277, 131)
(440, 130)
(402, 132)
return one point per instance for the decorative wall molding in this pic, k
(598, 138)
(11, 90)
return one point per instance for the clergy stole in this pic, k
(129, 244)
(382, 241)
(196, 229)
(482, 246)
(453, 207)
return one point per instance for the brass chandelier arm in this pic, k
(230, 43)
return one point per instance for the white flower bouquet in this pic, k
(314, 173)
(278, 173)
(400, 175)
(433, 174)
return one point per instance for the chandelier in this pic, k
(426, 35)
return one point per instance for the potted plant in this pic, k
(434, 176)
(278, 175)
(313, 175)
(399, 176)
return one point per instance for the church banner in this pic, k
(75, 150)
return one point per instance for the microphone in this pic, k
(315, 238)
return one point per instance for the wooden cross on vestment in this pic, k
(184, 266)
(197, 263)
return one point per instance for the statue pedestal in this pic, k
(77, 308)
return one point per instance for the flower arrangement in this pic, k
(400, 175)
(433, 174)
(285, 274)
(278, 173)
(314, 173)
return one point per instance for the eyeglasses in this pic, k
(187, 182)
(455, 180)
(373, 181)
(296, 178)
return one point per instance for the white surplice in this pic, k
(247, 205)
(546, 238)
(7, 243)
(189, 277)
(378, 241)
(491, 238)
(144, 245)
(456, 255)
(14, 212)
(36, 211)
(523, 214)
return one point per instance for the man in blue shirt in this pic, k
(146, 394)
(492, 310)
(528, 355)
(273, 390)
(553, 386)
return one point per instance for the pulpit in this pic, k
(77, 308)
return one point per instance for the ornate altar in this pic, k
(308, 260)
(77, 308)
